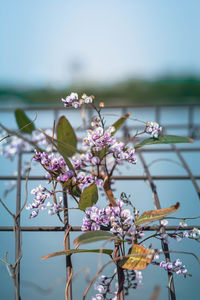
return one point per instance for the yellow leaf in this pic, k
(158, 214)
(139, 260)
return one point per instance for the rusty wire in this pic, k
(67, 228)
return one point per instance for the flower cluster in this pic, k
(40, 195)
(15, 145)
(153, 128)
(133, 279)
(97, 140)
(178, 236)
(119, 220)
(73, 101)
(192, 234)
(177, 266)
(56, 166)
(57, 169)
(121, 153)
(86, 159)
(54, 208)
(83, 179)
(103, 286)
(138, 277)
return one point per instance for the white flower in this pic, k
(156, 256)
(74, 96)
(76, 104)
(164, 222)
(111, 129)
(51, 212)
(28, 206)
(60, 200)
(183, 224)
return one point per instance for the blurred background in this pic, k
(129, 52)
(141, 52)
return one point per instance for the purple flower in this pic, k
(125, 214)
(76, 104)
(182, 224)
(29, 207)
(169, 266)
(184, 271)
(95, 160)
(95, 227)
(73, 101)
(185, 234)
(70, 174)
(176, 266)
(114, 216)
(51, 212)
(107, 210)
(139, 276)
(116, 210)
(34, 214)
(153, 128)
(177, 263)
(99, 182)
(86, 99)
(40, 195)
(69, 99)
(163, 264)
(164, 222)
(164, 237)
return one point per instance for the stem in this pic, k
(99, 114)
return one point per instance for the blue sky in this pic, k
(54, 43)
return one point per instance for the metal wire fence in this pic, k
(191, 126)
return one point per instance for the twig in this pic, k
(40, 289)
(6, 208)
(183, 218)
(149, 237)
(182, 252)
(20, 130)
(83, 117)
(53, 136)
(156, 293)
(65, 237)
(68, 283)
(17, 133)
(26, 191)
(114, 260)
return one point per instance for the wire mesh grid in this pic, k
(191, 126)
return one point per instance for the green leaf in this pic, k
(155, 215)
(65, 135)
(94, 236)
(55, 143)
(76, 191)
(22, 120)
(88, 197)
(120, 122)
(165, 139)
(72, 251)
(62, 152)
(62, 149)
